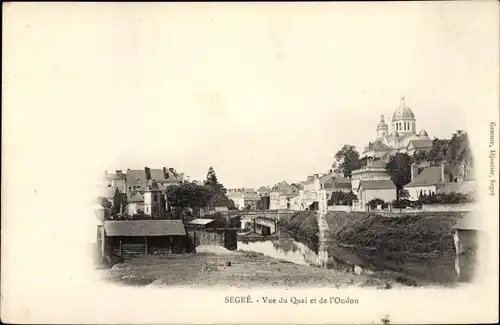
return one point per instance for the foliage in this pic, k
(342, 198)
(364, 160)
(188, 195)
(217, 191)
(374, 202)
(264, 202)
(404, 203)
(231, 205)
(446, 198)
(348, 160)
(103, 202)
(399, 167)
(148, 172)
(403, 194)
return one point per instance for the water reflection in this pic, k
(286, 249)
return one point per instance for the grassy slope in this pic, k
(302, 225)
(420, 245)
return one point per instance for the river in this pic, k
(285, 247)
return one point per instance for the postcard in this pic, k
(250, 163)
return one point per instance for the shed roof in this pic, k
(201, 221)
(145, 228)
(428, 177)
(420, 144)
(377, 184)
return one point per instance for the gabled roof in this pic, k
(428, 177)
(376, 184)
(138, 176)
(137, 198)
(284, 188)
(333, 180)
(145, 228)
(377, 145)
(467, 187)
(420, 144)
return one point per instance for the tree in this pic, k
(217, 190)
(148, 173)
(341, 198)
(399, 167)
(374, 202)
(103, 202)
(403, 194)
(348, 160)
(263, 203)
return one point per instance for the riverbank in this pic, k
(414, 249)
(224, 268)
(419, 246)
(303, 226)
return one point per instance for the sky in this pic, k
(262, 93)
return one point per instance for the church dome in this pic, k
(394, 134)
(403, 112)
(382, 124)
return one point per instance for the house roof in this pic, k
(136, 198)
(138, 176)
(201, 221)
(145, 228)
(114, 176)
(428, 177)
(333, 180)
(470, 221)
(420, 144)
(377, 145)
(377, 184)
(462, 187)
(284, 188)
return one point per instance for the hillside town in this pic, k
(401, 173)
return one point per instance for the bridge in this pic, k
(263, 222)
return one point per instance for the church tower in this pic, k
(382, 128)
(403, 120)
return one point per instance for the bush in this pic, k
(342, 198)
(373, 203)
(446, 198)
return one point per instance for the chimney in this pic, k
(165, 173)
(442, 172)
(414, 171)
(118, 173)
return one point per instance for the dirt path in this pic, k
(235, 269)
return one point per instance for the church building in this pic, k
(402, 138)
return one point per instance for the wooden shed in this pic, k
(129, 238)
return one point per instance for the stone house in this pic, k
(375, 189)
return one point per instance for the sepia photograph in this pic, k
(398, 212)
(250, 162)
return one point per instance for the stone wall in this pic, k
(448, 207)
(225, 237)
